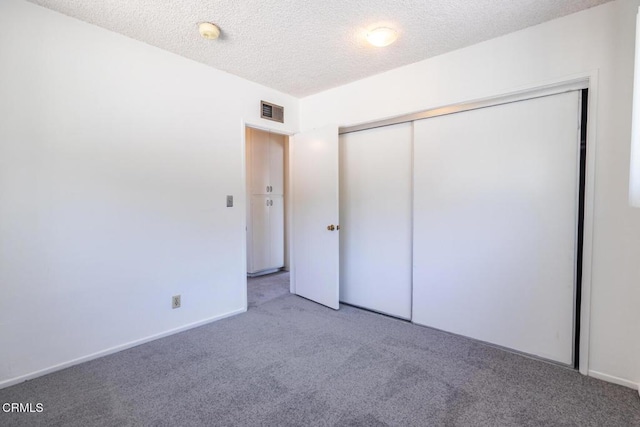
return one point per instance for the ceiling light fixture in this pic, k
(382, 36)
(208, 30)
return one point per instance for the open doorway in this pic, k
(267, 215)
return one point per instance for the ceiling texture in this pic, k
(302, 47)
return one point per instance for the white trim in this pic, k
(289, 207)
(634, 196)
(243, 162)
(613, 380)
(587, 227)
(521, 95)
(108, 351)
(291, 186)
(265, 128)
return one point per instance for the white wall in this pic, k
(115, 160)
(599, 40)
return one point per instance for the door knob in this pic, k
(331, 227)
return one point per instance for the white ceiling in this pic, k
(301, 47)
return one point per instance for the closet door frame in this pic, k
(576, 82)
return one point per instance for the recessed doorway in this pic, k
(267, 181)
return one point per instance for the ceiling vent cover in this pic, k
(271, 111)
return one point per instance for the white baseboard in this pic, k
(60, 366)
(614, 380)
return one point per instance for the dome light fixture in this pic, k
(208, 30)
(382, 36)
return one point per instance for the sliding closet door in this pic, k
(375, 219)
(495, 222)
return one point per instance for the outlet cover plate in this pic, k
(175, 301)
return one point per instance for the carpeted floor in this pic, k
(291, 362)
(265, 288)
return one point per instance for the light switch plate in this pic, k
(229, 201)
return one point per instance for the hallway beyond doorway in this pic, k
(265, 288)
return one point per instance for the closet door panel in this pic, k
(276, 225)
(260, 226)
(375, 219)
(495, 222)
(260, 162)
(276, 162)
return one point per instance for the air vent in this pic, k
(271, 112)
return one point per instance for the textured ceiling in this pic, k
(301, 47)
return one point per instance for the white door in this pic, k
(495, 223)
(314, 202)
(375, 219)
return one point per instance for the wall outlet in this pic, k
(175, 301)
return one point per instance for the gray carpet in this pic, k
(291, 362)
(265, 288)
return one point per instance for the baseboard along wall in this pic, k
(106, 352)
